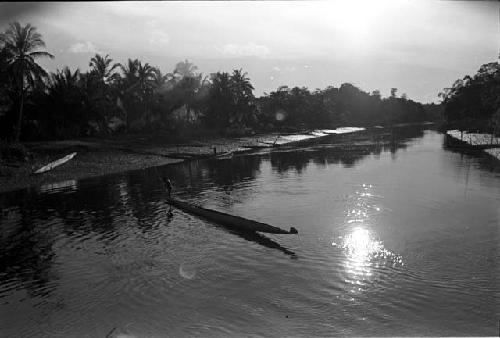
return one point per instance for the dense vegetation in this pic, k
(473, 103)
(135, 96)
(347, 105)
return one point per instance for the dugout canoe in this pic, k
(56, 163)
(229, 221)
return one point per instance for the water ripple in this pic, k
(375, 253)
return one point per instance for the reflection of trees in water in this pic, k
(226, 175)
(218, 177)
(35, 225)
(347, 150)
(283, 161)
(198, 173)
(27, 251)
(229, 172)
(403, 134)
(139, 204)
(485, 161)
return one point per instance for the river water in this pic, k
(399, 240)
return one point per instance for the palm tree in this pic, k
(185, 69)
(182, 70)
(130, 69)
(100, 88)
(65, 78)
(240, 84)
(138, 82)
(102, 68)
(64, 110)
(139, 78)
(220, 101)
(158, 78)
(21, 45)
(64, 91)
(129, 80)
(6, 94)
(146, 79)
(4, 76)
(127, 84)
(243, 98)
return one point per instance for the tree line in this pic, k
(135, 96)
(473, 103)
(346, 105)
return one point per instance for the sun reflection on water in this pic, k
(359, 245)
(365, 257)
(359, 248)
(365, 254)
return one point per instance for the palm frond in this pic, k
(41, 54)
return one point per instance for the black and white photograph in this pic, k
(250, 169)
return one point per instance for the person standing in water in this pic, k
(168, 185)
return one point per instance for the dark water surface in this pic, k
(401, 240)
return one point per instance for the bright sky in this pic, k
(417, 46)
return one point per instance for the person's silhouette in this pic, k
(168, 185)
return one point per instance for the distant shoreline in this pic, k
(474, 141)
(100, 157)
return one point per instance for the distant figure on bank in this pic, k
(168, 185)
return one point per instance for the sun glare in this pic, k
(360, 246)
(357, 19)
(365, 253)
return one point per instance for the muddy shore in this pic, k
(98, 157)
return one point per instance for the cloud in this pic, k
(83, 47)
(285, 69)
(249, 49)
(157, 35)
(324, 40)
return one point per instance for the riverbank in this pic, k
(479, 141)
(97, 157)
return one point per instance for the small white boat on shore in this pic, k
(56, 163)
